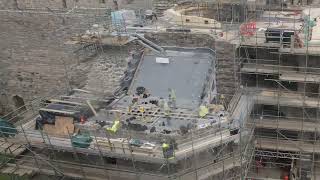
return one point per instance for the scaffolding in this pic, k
(283, 81)
(31, 151)
(276, 100)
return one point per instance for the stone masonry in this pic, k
(35, 61)
(69, 4)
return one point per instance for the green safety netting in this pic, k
(309, 24)
(81, 140)
(7, 129)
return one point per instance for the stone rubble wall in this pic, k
(227, 79)
(34, 61)
(159, 6)
(69, 4)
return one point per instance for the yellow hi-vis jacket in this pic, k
(115, 127)
(166, 108)
(203, 111)
(165, 146)
(173, 95)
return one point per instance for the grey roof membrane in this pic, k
(186, 74)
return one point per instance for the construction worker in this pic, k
(134, 102)
(161, 103)
(222, 100)
(168, 151)
(166, 108)
(142, 110)
(116, 124)
(203, 111)
(172, 98)
(115, 127)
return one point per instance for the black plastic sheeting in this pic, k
(126, 80)
(49, 117)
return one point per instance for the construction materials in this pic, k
(81, 90)
(63, 126)
(279, 35)
(66, 102)
(58, 111)
(81, 140)
(7, 129)
(91, 107)
(149, 44)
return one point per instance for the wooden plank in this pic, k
(286, 145)
(286, 99)
(91, 107)
(2, 143)
(300, 77)
(49, 129)
(8, 170)
(66, 102)
(267, 69)
(4, 147)
(286, 124)
(59, 111)
(81, 90)
(62, 127)
(19, 151)
(21, 172)
(84, 98)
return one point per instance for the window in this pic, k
(187, 20)
(206, 22)
(102, 1)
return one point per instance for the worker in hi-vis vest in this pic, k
(172, 97)
(168, 151)
(166, 108)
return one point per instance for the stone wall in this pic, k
(227, 79)
(159, 6)
(225, 53)
(34, 61)
(69, 4)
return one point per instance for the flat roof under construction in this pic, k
(187, 72)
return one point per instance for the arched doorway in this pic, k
(18, 102)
